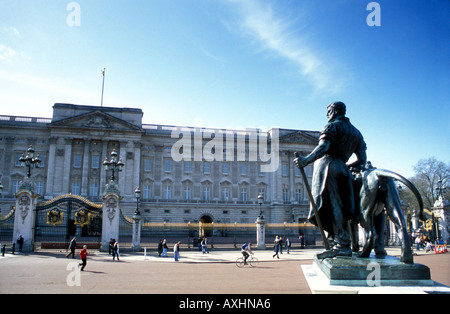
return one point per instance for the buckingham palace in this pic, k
(185, 173)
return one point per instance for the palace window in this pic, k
(187, 192)
(167, 192)
(206, 193)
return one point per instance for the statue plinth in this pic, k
(385, 271)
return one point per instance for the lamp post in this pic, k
(137, 194)
(137, 222)
(260, 202)
(260, 226)
(439, 211)
(440, 190)
(29, 161)
(113, 164)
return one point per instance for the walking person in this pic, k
(288, 245)
(72, 247)
(160, 248)
(111, 244)
(176, 251)
(280, 245)
(164, 253)
(205, 246)
(83, 256)
(115, 250)
(276, 248)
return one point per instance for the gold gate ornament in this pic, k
(82, 218)
(54, 217)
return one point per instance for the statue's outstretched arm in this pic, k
(317, 153)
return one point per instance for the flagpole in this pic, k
(103, 85)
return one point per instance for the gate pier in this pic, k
(24, 219)
(111, 214)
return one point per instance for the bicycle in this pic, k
(251, 260)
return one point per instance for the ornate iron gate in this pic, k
(7, 227)
(65, 216)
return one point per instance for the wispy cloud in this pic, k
(6, 53)
(283, 36)
(8, 35)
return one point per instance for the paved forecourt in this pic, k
(197, 273)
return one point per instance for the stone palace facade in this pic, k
(185, 174)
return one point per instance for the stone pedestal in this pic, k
(136, 245)
(24, 217)
(387, 271)
(260, 233)
(111, 215)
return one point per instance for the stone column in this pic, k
(67, 165)
(260, 233)
(24, 218)
(85, 170)
(111, 215)
(136, 245)
(51, 167)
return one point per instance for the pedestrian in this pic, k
(160, 248)
(164, 253)
(280, 246)
(205, 246)
(83, 256)
(302, 241)
(276, 247)
(176, 251)
(115, 250)
(20, 243)
(418, 243)
(111, 244)
(72, 247)
(288, 245)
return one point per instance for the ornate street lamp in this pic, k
(260, 202)
(114, 165)
(137, 194)
(438, 211)
(29, 161)
(440, 189)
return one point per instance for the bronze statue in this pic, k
(332, 187)
(377, 193)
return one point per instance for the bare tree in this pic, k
(428, 172)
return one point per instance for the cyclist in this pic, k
(246, 250)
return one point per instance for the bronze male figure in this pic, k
(332, 187)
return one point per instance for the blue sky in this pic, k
(240, 63)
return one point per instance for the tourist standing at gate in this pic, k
(116, 250)
(20, 243)
(72, 247)
(83, 256)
